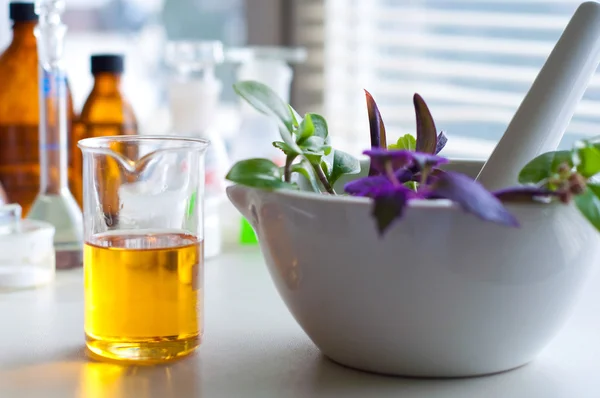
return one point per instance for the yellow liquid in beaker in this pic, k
(143, 295)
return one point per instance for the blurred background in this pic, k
(471, 60)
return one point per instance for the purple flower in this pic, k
(389, 198)
(427, 161)
(368, 186)
(381, 159)
(388, 205)
(472, 197)
(404, 175)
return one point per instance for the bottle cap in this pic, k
(109, 63)
(187, 56)
(22, 12)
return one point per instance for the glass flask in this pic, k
(143, 252)
(19, 109)
(55, 203)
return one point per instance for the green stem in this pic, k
(287, 171)
(323, 179)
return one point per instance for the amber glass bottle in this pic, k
(19, 110)
(106, 112)
(3, 197)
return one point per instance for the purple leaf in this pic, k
(431, 177)
(389, 206)
(381, 157)
(437, 173)
(401, 158)
(523, 194)
(426, 131)
(378, 137)
(441, 142)
(376, 126)
(370, 186)
(367, 186)
(472, 197)
(404, 175)
(425, 160)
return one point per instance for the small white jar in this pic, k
(27, 256)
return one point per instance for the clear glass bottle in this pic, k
(193, 95)
(106, 112)
(19, 110)
(55, 204)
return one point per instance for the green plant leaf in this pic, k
(296, 118)
(320, 124)
(321, 130)
(544, 166)
(426, 131)
(313, 158)
(407, 141)
(287, 137)
(588, 204)
(266, 101)
(326, 167)
(285, 148)
(314, 148)
(314, 144)
(343, 163)
(305, 130)
(304, 168)
(589, 160)
(412, 185)
(327, 160)
(595, 188)
(258, 173)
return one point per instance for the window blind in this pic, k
(472, 61)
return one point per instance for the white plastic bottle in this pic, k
(193, 96)
(257, 132)
(268, 65)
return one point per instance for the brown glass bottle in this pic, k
(19, 110)
(3, 197)
(106, 112)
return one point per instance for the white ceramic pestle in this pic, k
(543, 116)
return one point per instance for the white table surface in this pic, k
(253, 348)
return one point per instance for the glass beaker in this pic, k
(143, 254)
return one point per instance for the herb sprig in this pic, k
(569, 175)
(305, 143)
(409, 169)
